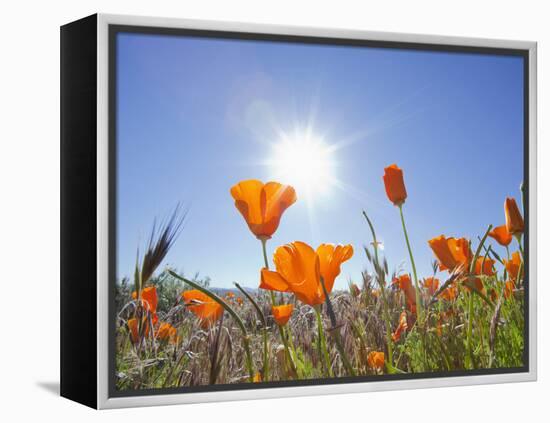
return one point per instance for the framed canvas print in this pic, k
(253, 211)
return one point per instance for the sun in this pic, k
(304, 161)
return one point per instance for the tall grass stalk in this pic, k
(381, 284)
(234, 315)
(335, 331)
(325, 358)
(265, 376)
(469, 353)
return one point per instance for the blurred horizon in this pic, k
(197, 115)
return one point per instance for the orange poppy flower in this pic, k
(257, 378)
(509, 289)
(282, 313)
(404, 283)
(473, 282)
(330, 258)
(149, 298)
(375, 360)
(514, 220)
(501, 235)
(431, 284)
(493, 295)
(299, 269)
(167, 331)
(449, 293)
(262, 205)
(133, 326)
(134, 329)
(394, 184)
(451, 252)
(402, 327)
(484, 266)
(513, 265)
(202, 306)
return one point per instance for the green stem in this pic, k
(264, 250)
(522, 264)
(288, 355)
(518, 238)
(417, 288)
(470, 359)
(274, 303)
(235, 316)
(322, 342)
(288, 337)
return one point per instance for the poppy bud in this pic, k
(394, 184)
(514, 220)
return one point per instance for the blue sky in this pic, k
(197, 115)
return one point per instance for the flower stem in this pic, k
(521, 269)
(264, 250)
(518, 238)
(417, 288)
(470, 359)
(273, 303)
(322, 342)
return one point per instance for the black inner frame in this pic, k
(112, 46)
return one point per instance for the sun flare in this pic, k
(304, 161)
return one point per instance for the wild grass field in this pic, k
(173, 331)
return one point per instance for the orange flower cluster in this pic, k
(404, 283)
(299, 269)
(455, 255)
(149, 300)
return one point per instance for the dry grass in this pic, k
(203, 356)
